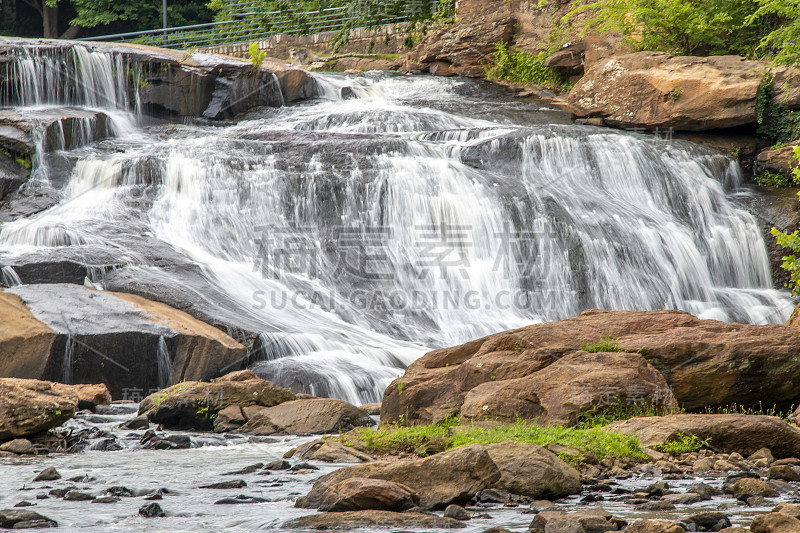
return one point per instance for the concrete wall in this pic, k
(384, 40)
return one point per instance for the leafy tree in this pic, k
(686, 27)
(783, 43)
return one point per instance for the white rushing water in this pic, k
(354, 235)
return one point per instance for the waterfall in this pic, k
(9, 277)
(69, 74)
(354, 235)
(164, 364)
(67, 370)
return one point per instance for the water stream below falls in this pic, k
(349, 236)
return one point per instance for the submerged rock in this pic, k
(48, 474)
(152, 510)
(24, 519)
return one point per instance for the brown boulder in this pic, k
(319, 415)
(779, 160)
(30, 406)
(192, 403)
(656, 90)
(775, 523)
(359, 494)
(754, 486)
(530, 470)
(449, 477)
(371, 519)
(744, 434)
(24, 519)
(229, 419)
(461, 49)
(90, 396)
(19, 447)
(570, 58)
(575, 383)
(329, 451)
(654, 526)
(705, 362)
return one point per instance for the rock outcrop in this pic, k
(359, 494)
(778, 160)
(530, 470)
(743, 434)
(704, 362)
(64, 332)
(317, 415)
(29, 406)
(656, 90)
(371, 520)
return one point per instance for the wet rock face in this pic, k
(357, 494)
(63, 332)
(704, 362)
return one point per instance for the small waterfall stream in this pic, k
(353, 235)
(164, 364)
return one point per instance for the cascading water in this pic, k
(67, 364)
(164, 364)
(352, 235)
(9, 277)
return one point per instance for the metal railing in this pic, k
(249, 24)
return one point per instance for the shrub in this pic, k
(783, 41)
(256, 56)
(791, 241)
(606, 344)
(682, 443)
(523, 67)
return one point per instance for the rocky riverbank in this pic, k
(673, 473)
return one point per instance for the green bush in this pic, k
(682, 443)
(606, 344)
(791, 241)
(523, 67)
(783, 19)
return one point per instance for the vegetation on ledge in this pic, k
(446, 435)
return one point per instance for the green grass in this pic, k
(736, 409)
(682, 443)
(606, 344)
(605, 415)
(410, 439)
(523, 67)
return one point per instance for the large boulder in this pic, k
(63, 332)
(318, 415)
(30, 406)
(195, 404)
(530, 470)
(704, 362)
(358, 494)
(779, 160)
(775, 523)
(743, 434)
(449, 477)
(368, 520)
(656, 90)
(461, 49)
(24, 519)
(575, 383)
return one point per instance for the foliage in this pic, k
(744, 410)
(783, 42)
(131, 15)
(602, 416)
(256, 56)
(606, 344)
(682, 443)
(407, 439)
(685, 27)
(791, 241)
(523, 67)
(777, 122)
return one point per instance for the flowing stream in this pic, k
(349, 236)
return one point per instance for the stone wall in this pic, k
(385, 40)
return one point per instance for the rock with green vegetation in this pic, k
(317, 415)
(29, 406)
(329, 451)
(656, 90)
(373, 520)
(195, 404)
(449, 477)
(779, 159)
(360, 494)
(706, 363)
(530, 470)
(728, 433)
(572, 385)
